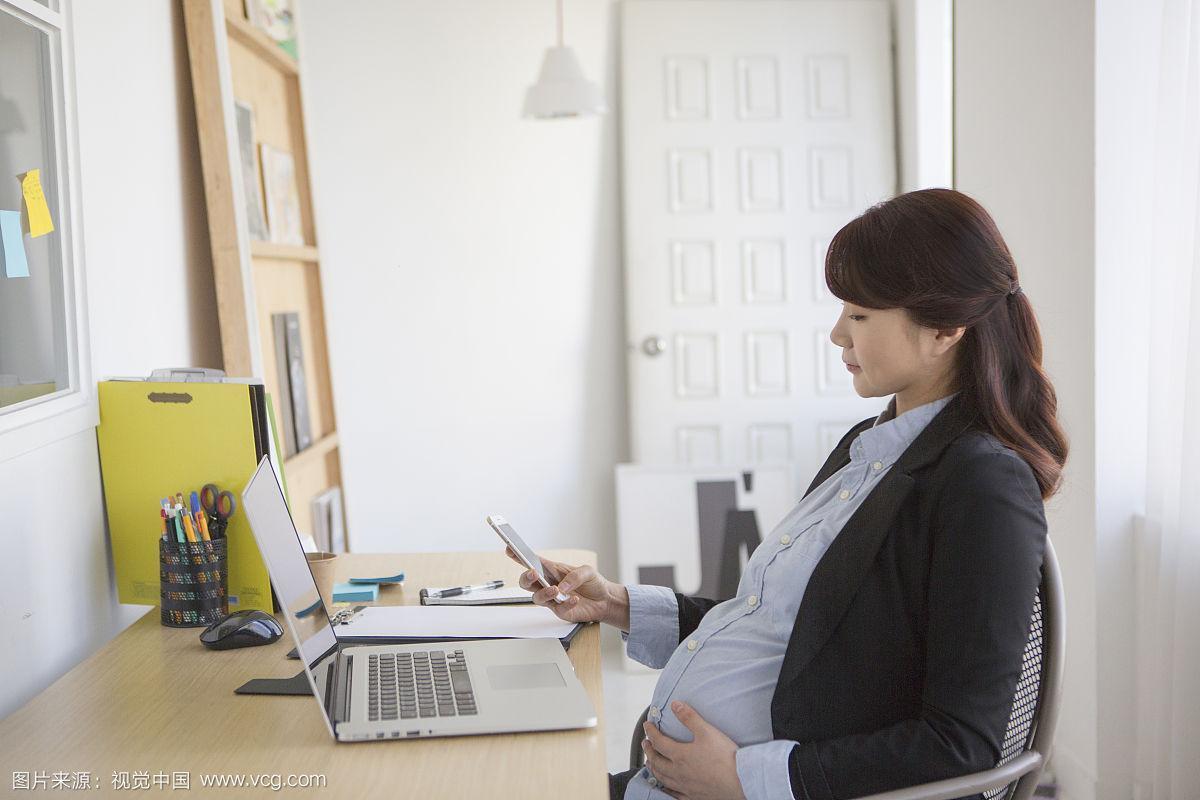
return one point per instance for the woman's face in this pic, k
(888, 353)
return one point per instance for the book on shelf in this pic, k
(279, 325)
(329, 526)
(293, 388)
(284, 217)
(252, 197)
(299, 384)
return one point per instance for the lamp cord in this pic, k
(560, 23)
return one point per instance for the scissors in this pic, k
(219, 505)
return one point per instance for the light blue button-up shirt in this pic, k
(728, 668)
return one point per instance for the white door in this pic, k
(753, 130)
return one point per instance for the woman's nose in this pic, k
(837, 337)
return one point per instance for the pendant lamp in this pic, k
(561, 90)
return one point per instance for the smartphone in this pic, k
(527, 556)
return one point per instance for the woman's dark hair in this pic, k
(937, 254)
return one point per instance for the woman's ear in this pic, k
(946, 338)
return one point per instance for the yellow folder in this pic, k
(157, 439)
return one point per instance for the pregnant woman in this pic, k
(876, 637)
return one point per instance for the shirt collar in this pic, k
(890, 436)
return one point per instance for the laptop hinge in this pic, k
(337, 689)
(347, 678)
(327, 695)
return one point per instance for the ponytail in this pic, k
(1000, 374)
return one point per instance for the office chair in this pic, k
(1027, 741)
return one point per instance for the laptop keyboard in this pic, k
(425, 683)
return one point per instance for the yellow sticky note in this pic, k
(37, 213)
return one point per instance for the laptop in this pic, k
(402, 691)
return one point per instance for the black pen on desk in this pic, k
(464, 589)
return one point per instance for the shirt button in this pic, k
(784, 539)
(692, 644)
(845, 495)
(652, 781)
(653, 712)
(752, 600)
(877, 465)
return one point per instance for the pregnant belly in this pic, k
(729, 691)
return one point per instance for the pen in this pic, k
(464, 589)
(179, 519)
(187, 526)
(201, 522)
(168, 520)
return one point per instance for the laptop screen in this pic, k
(291, 577)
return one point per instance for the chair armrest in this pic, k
(977, 782)
(637, 757)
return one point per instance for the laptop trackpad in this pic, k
(525, 676)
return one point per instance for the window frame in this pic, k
(36, 422)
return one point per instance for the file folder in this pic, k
(157, 439)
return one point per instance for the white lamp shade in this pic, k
(561, 89)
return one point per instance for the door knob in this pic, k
(653, 345)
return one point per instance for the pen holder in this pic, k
(193, 582)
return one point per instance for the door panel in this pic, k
(753, 130)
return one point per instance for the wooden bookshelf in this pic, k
(233, 60)
(238, 27)
(286, 252)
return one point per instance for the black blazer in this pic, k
(907, 645)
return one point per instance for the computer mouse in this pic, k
(242, 629)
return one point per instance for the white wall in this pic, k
(470, 261)
(144, 226)
(1024, 147)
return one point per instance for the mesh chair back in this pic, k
(1034, 713)
(1019, 734)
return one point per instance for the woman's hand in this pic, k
(702, 769)
(591, 598)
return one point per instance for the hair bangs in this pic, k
(848, 273)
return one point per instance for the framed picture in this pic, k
(274, 18)
(283, 199)
(693, 529)
(251, 182)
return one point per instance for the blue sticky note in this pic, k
(355, 593)
(397, 578)
(15, 263)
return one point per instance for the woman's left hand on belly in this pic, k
(702, 769)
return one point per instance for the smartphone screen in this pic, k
(512, 539)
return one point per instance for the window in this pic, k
(44, 373)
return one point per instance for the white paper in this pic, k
(506, 622)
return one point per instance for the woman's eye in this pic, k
(857, 317)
